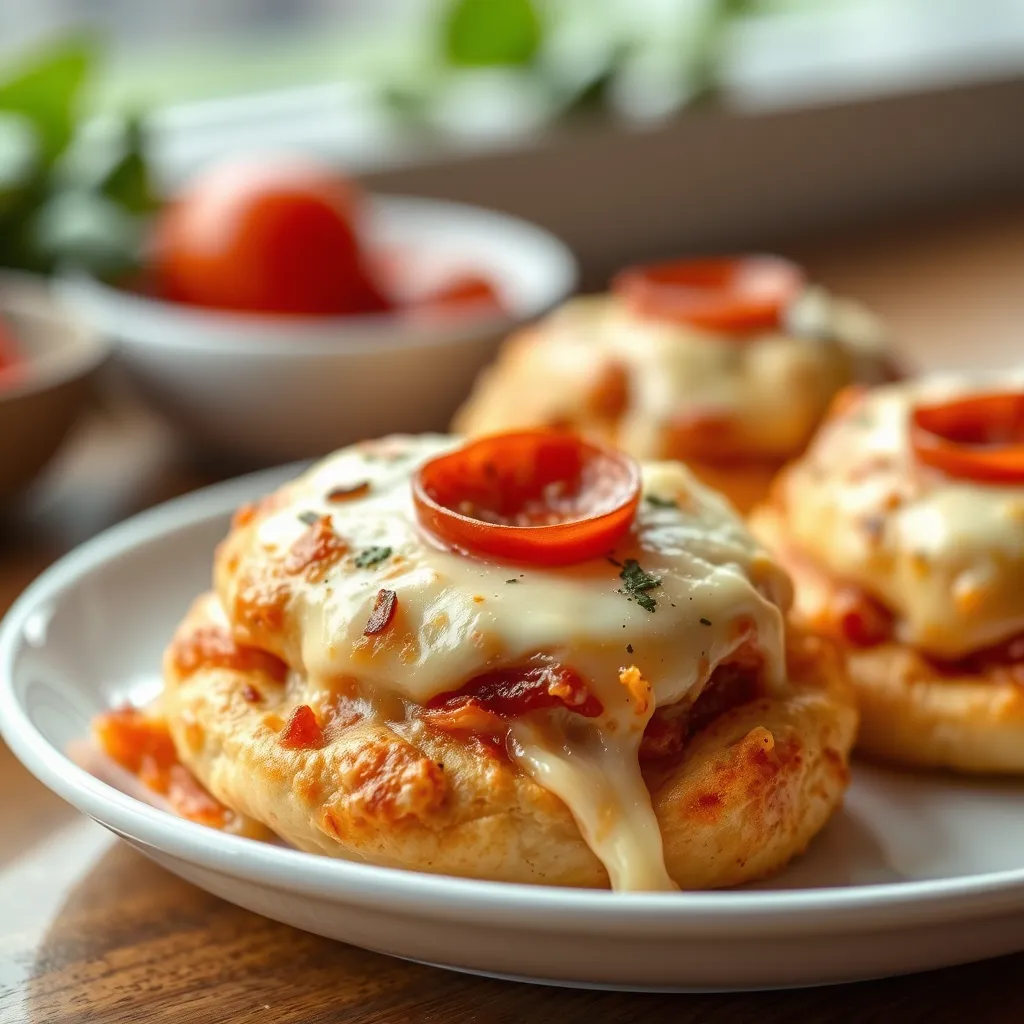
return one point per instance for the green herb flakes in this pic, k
(637, 582)
(371, 556)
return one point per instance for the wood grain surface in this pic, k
(90, 931)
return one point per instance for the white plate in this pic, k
(916, 872)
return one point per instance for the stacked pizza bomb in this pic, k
(522, 658)
(727, 365)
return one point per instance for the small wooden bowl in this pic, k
(40, 405)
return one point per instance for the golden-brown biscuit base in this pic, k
(748, 793)
(911, 713)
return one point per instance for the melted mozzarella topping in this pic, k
(459, 616)
(945, 555)
(773, 388)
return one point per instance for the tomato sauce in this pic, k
(302, 731)
(485, 703)
(142, 745)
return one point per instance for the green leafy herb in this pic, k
(491, 33)
(46, 90)
(637, 582)
(658, 502)
(310, 518)
(126, 180)
(19, 158)
(85, 229)
(371, 556)
(67, 199)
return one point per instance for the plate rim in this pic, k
(709, 914)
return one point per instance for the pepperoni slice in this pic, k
(979, 438)
(539, 497)
(737, 295)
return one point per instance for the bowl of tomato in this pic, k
(280, 313)
(47, 363)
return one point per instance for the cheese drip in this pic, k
(945, 555)
(459, 617)
(598, 778)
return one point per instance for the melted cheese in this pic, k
(945, 555)
(773, 389)
(459, 616)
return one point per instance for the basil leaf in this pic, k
(488, 33)
(127, 181)
(46, 90)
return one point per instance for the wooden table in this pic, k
(90, 931)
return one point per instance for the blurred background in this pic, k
(627, 127)
(877, 141)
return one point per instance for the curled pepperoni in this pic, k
(735, 295)
(979, 438)
(539, 497)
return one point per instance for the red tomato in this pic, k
(736, 294)
(536, 496)
(267, 236)
(976, 438)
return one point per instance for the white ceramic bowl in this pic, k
(40, 406)
(268, 389)
(916, 871)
